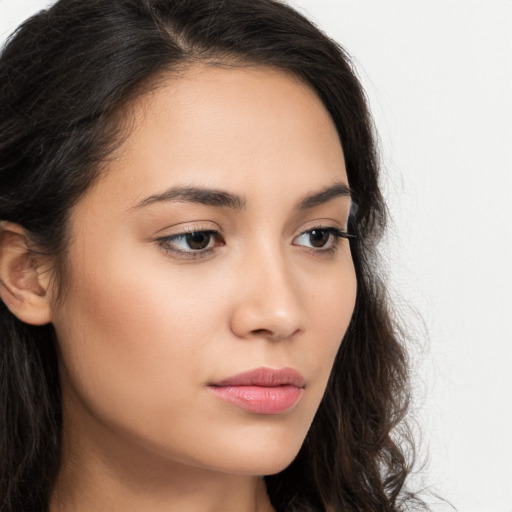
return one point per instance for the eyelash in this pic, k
(335, 235)
(165, 243)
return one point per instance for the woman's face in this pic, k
(210, 247)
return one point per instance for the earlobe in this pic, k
(23, 288)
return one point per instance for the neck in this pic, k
(107, 472)
(94, 484)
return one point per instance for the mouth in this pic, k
(263, 390)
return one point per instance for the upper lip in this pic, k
(265, 377)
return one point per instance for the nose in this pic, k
(268, 301)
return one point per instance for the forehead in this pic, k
(245, 128)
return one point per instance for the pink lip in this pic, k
(263, 390)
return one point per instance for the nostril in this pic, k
(263, 332)
(271, 334)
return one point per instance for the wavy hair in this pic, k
(65, 77)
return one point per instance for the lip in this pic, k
(262, 390)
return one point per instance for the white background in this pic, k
(438, 75)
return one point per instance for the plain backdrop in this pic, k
(438, 75)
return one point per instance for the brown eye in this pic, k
(198, 240)
(194, 243)
(319, 237)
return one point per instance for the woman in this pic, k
(191, 315)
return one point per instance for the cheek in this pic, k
(331, 299)
(330, 304)
(130, 321)
(130, 341)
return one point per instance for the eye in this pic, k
(197, 241)
(322, 239)
(193, 243)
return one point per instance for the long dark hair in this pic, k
(65, 75)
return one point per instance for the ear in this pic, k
(23, 283)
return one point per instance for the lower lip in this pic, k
(259, 399)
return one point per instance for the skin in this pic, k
(143, 328)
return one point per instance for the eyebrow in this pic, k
(338, 189)
(222, 198)
(201, 195)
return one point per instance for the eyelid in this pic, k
(165, 241)
(325, 224)
(187, 227)
(333, 232)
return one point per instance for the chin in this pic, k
(260, 466)
(268, 457)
